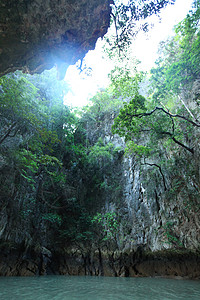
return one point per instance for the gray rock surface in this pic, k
(36, 35)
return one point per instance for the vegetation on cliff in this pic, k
(61, 176)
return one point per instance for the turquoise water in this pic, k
(97, 288)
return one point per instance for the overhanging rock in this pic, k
(36, 35)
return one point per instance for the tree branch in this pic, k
(160, 170)
(191, 150)
(167, 113)
(116, 32)
(8, 132)
(187, 108)
(173, 126)
(50, 205)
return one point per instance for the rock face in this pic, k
(185, 264)
(150, 216)
(154, 237)
(156, 230)
(132, 264)
(36, 35)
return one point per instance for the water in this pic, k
(97, 288)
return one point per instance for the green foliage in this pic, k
(103, 103)
(126, 16)
(52, 218)
(125, 124)
(77, 227)
(100, 151)
(36, 130)
(170, 236)
(161, 129)
(61, 167)
(159, 118)
(28, 208)
(125, 80)
(110, 225)
(180, 66)
(138, 150)
(18, 107)
(31, 164)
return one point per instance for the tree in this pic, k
(17, 93)
(126, 16)
(161, 117)
(178, 65)
(36, 129)
(162, 128)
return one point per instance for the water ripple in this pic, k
(97, 288)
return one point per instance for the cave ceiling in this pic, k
(39, 34)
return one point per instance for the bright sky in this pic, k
(144, 48)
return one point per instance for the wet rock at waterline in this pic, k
(172, 264)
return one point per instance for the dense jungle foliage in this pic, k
(60, 167)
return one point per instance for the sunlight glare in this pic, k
(144, 49)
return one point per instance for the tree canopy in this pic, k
(62, 168)
(125, 16)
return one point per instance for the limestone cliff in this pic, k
(158, 211)
(36, 35)
(154, 236)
